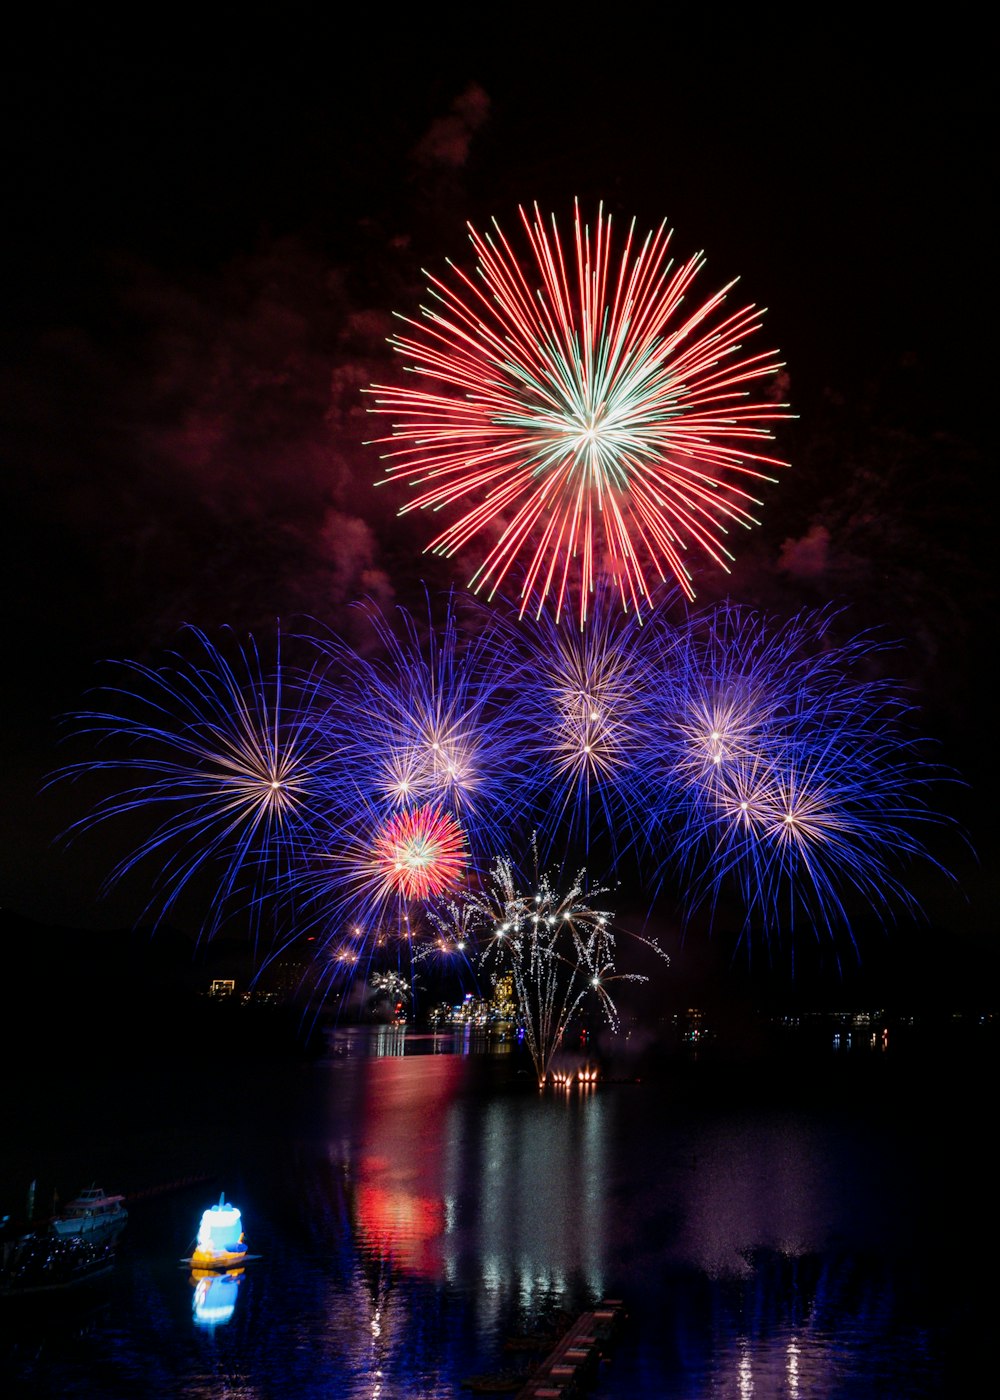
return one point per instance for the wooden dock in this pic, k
(571, 1366)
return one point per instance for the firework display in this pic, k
(590, 699)
(360, 882)
(730, 754)
(419, 853)
(782, 769)
(733, 685)
(220, 759)
(558, 949)
(592, 427)
(803, 840)
(427, 720)
(590, 418)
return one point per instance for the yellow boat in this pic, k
(220, 1243)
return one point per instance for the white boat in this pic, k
(93, 1215)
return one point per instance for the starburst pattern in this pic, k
(584, 710)
(589, 420)
(226, 756)
(787, 773)
(427, 720)
(558, 948)
(419, 853)
(364, 882)
(730, 752)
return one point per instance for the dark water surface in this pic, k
(809, 1225)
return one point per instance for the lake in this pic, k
(806, 1222)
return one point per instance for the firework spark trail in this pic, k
(364, 882)
(731, 682)
(587, 701)
(786, 773)
(589, 421)
(737, 752)
(807, 841)
(419, 853)
(558, 949)
(427, 722)
(229, 752)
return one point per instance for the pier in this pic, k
(570, 1368)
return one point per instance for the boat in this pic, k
(93, 1215)
(220, 1243)
(43, 1262)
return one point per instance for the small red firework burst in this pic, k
(420, 853)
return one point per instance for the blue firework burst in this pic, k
(784, 768)
(426, 722)
(222, 760)
(587, 700)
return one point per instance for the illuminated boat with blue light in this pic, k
(220, 1243)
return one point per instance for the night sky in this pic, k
(209, 230)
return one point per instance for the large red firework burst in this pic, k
(420, 853)
(589, 421)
